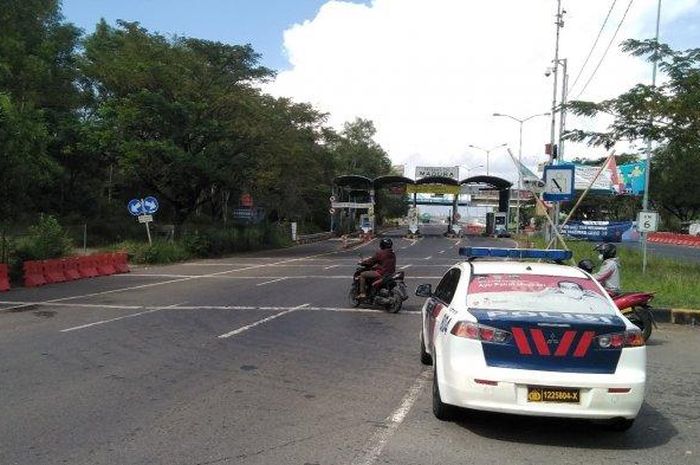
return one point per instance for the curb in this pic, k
(679, 316)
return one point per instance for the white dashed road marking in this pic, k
(131, 315)
(245, 328)
(270, 282)
(382, 435)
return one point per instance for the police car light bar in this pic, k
(555, 255)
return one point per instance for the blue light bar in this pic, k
(555, 255)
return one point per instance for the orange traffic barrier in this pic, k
(4, 278)
(70, 268)
(33, 274)
(104, 264)
(53, 271)
(87, 267)
(121, 262)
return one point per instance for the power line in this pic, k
(595, 42)
(629, 5)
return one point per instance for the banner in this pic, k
(601, 231)
(584, 175)
(632, 177)
(431, 189)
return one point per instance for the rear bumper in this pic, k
(457, 375)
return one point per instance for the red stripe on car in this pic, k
(540, 342)
(521, 341)
(584, 344)
(565, 343)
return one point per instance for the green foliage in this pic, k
(45, 240)
(161, 252)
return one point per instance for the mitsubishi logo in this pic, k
(552, 339)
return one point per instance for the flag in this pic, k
(617, 184)
(530, 179)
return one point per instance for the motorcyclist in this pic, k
(609, 273)
(383, 263)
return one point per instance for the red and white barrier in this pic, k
(38, 273)
(4, 278)
(674, 239)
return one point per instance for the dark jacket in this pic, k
(384, 262)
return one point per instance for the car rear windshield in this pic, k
(527, 292)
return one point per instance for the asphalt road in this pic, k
(257, 359)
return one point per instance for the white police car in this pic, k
(530, 338)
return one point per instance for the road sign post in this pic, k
(647, 222)
(144, 210)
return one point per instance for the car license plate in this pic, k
(551, 394)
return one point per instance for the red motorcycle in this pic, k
(634, 305)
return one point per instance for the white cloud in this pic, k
(430, 73)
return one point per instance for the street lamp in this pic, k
(520, 121)
(488, 152)
(469, 169)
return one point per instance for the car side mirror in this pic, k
(424, 290)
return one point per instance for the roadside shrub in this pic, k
(161, 252)
(44, 240)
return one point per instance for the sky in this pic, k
(429, 73)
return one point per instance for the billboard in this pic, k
(443, 171)
(632, 177)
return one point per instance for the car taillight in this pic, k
(631, 338)
(479, 332)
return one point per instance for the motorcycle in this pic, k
(388, 292)
(634, 305)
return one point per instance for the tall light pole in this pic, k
(488, 153)
(469, 169)
(645, 201)
(520, 121)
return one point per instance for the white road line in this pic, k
(428, 257)
(259, 322)
(272, 281)
(131, 315)
(406, 266)
(442, 251)
(187, 278)
(382, 435)
(330, 267)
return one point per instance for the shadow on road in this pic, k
(652, 429)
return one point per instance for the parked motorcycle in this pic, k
(388, 292)
(634, 305)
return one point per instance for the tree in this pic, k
(668, 114)
(178, 114)
(38, 102)
(356, 151)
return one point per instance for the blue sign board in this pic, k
(147, 206)
(135, 207)
(150, 205)
(559, 183)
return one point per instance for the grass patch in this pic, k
(676, 282)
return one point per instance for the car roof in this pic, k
(523, 267)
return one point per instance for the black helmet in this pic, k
(586, 265)
(386, 243)
(608, 250)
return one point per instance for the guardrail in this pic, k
(674, 239)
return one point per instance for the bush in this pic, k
(45, 240)
(160, 252)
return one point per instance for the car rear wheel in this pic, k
(425, 357)
(441, 410)
(620, 424)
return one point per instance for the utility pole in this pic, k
(559, 24)
(645, 201)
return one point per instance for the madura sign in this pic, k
(442, 171)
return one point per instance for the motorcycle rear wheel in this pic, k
(642, 318)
